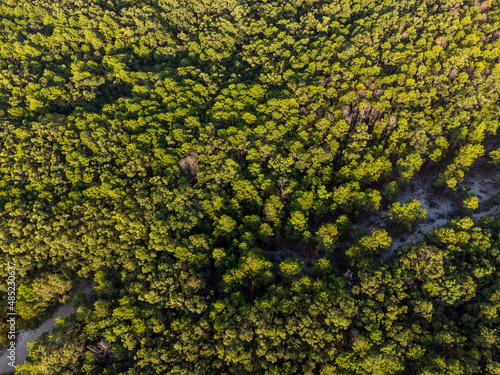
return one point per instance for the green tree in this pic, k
(495, 156)
(328, 237)
(368, 247)
(291, 267)
(470, 203)
(405, 215)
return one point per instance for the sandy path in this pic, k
(443, 207)
(23, 337)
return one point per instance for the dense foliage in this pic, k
(203, 161)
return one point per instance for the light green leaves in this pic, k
(405, 215)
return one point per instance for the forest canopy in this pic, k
(204, 163)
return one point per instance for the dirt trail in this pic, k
(23, 337)
(484, 182)
(441, 204)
